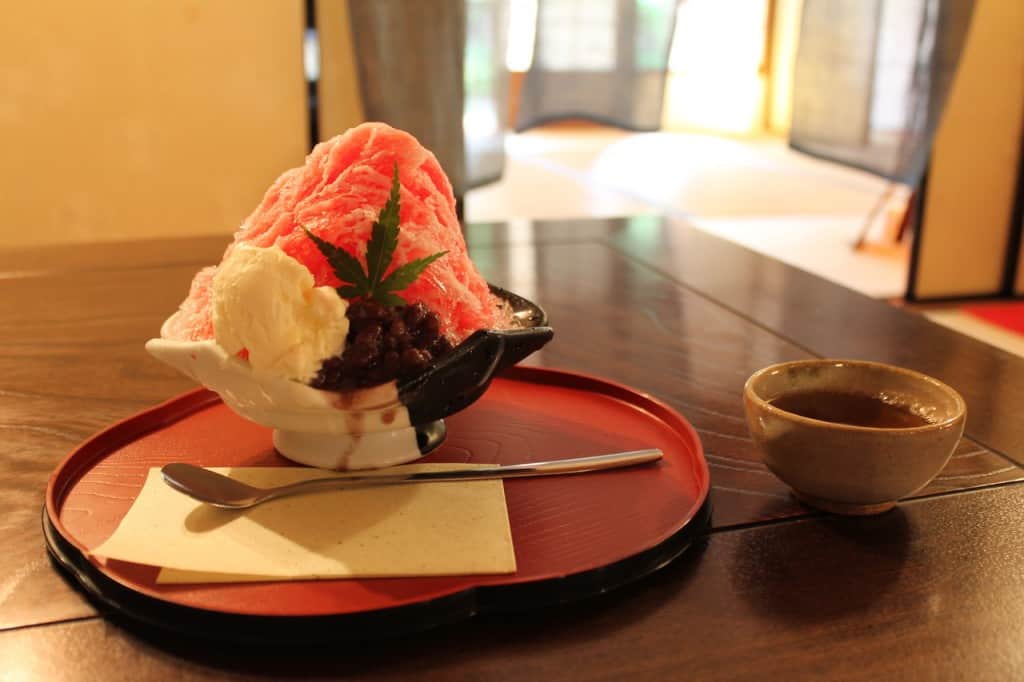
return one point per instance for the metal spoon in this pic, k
(228, 493)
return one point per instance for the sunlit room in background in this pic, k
(799, 129)
(720, 158)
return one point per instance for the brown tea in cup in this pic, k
(855, 409)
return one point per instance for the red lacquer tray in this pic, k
(574, 536)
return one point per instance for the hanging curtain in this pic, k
(436, 68)
(410, 57)
(602, 60)
(871, 78)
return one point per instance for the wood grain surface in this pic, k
(831, 321)
(933, 591)
(649, 303)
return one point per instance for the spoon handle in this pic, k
(576, 465)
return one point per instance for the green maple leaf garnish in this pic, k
(371, 283)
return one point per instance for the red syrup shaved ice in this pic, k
(337, 195)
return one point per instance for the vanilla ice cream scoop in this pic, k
(264, 301)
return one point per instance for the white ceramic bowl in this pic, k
(364, 429)
(375, 427)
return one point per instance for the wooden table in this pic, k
(931, 590)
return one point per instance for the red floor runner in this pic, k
(1006, 315)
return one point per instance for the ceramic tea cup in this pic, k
(852, 436)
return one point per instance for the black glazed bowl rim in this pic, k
(460, 377)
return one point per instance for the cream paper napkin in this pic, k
(422, 529)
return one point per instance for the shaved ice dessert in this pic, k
(351, 272)
(346, 314)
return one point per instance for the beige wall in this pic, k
(339, 99)
(122, 120)
(973, 174)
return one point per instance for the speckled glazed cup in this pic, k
(853, 469)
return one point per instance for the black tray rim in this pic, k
(113, 598)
